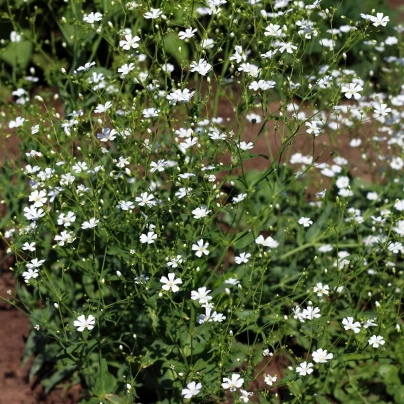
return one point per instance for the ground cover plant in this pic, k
(154, 263)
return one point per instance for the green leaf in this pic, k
(171, 45)
(322, 400)
(112, 398)
(30, 346)
(105, 381)
(157, 351)
(244, 240)
(17, 53)
(355, 356)
(50, 382)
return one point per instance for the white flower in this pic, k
(38, 197)
(30, 274)
(65, 238)
(32, 213)
(349, 324)
(129, 42)
(370, 323)
(28, 246)
(254, 118)
(397, 163)
(379, 19)
(304, 369)
(192, 390)
(232, 281)
(151, 112)
(234, 383)
(242, 258)
(269, 380)
(141, 279)
(305, 221)
(86, 67)
(15, 37)
(92, 18)
(159, 166)
(268, 242)
(90, 223)
(310, 313)
(66, 220)
(207, 43)
(180, 96)
(125, 205)
(273, 30)
(395, 247)
(200, 213)
(321, 289)
(321, 356)
(146, 199)
(82, 323)
(153, 14)
(188, 33)
(149, 238)
(80, 167)
(201, 248)
(239, 198)
(201, 295)
(245, 396)
(399, 205)
(107, 135)
(391, 40)
(262, 85)
(126, 68)
(17, 123)
(174, 261)
(103, 108)
(171, 283)
(288, 47)
(313, 127)
(250, 69)
(202, 67)
(376, 341)
(342, 182)
(381, 110)
(246, 146)
(352, 90)
(35, 263)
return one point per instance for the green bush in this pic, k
(154, 263)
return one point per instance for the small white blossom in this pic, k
(349, 324)
(200, 213)
(234, 383)
(305, 221)
(92, 18)
(242, 258)
(171, 282)
(82, 323)
(90, 223)
(201, 248)
(202, 295)
(304, 368)
(321, 356)
(269, 380)
(376, 341)
(148, 238)
(193, 389)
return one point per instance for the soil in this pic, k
(14, 329)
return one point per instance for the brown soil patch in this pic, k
(14, 331)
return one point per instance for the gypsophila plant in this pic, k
(207, 206)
